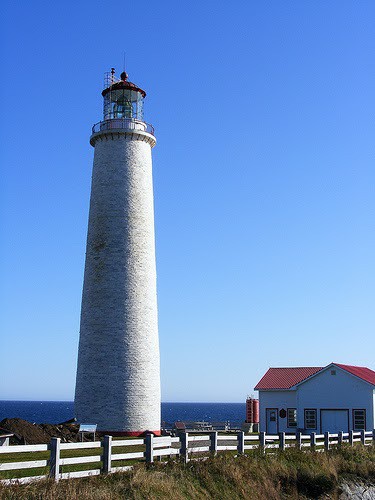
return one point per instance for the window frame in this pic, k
(355, 427)
(310, 427)
(294, 418)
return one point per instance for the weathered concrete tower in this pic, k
(118, 374)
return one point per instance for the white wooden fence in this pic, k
(186, 446)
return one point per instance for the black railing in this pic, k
(123, 123)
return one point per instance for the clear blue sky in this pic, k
(264, 113)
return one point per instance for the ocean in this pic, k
(54, 412)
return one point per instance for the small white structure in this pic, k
(5, 437)
(317, 399)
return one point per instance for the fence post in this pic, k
(213, 442)
(299, 440)
(184, 446)
(340, 438)
(351, 438)
(313, 440)
(262, 442)
(149, 448)
(241, 442)
(54, 460)
(281, 440)
(326, 441)
(363, 437)
(107, 454)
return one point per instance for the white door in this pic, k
(334, 421)
(272, 426)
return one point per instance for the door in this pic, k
(272, 424)
(334, 421)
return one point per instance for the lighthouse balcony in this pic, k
(124, 124)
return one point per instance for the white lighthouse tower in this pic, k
(118, 373)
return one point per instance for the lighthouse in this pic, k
(118, 371)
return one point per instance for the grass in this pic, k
(289, 474)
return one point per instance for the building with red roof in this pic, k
(333, 398)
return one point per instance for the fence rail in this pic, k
(111, 454)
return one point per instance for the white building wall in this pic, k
(340, 391)
(118, 374)
(279, 400)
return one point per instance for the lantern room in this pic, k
(122, 99)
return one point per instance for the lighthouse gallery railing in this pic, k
(124, 124)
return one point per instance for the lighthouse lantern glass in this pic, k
(123, 104)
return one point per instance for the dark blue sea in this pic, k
(54, 412)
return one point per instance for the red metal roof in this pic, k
(360, 371)
(123, 84)
(285, 378)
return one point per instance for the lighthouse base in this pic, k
(130, 433)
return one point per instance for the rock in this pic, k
(28, 433)
(25, 432)
(357, 491)
(68, 433)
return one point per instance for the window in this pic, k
(310, 419)
(359, 420)
(333, 372)
(292, 417)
